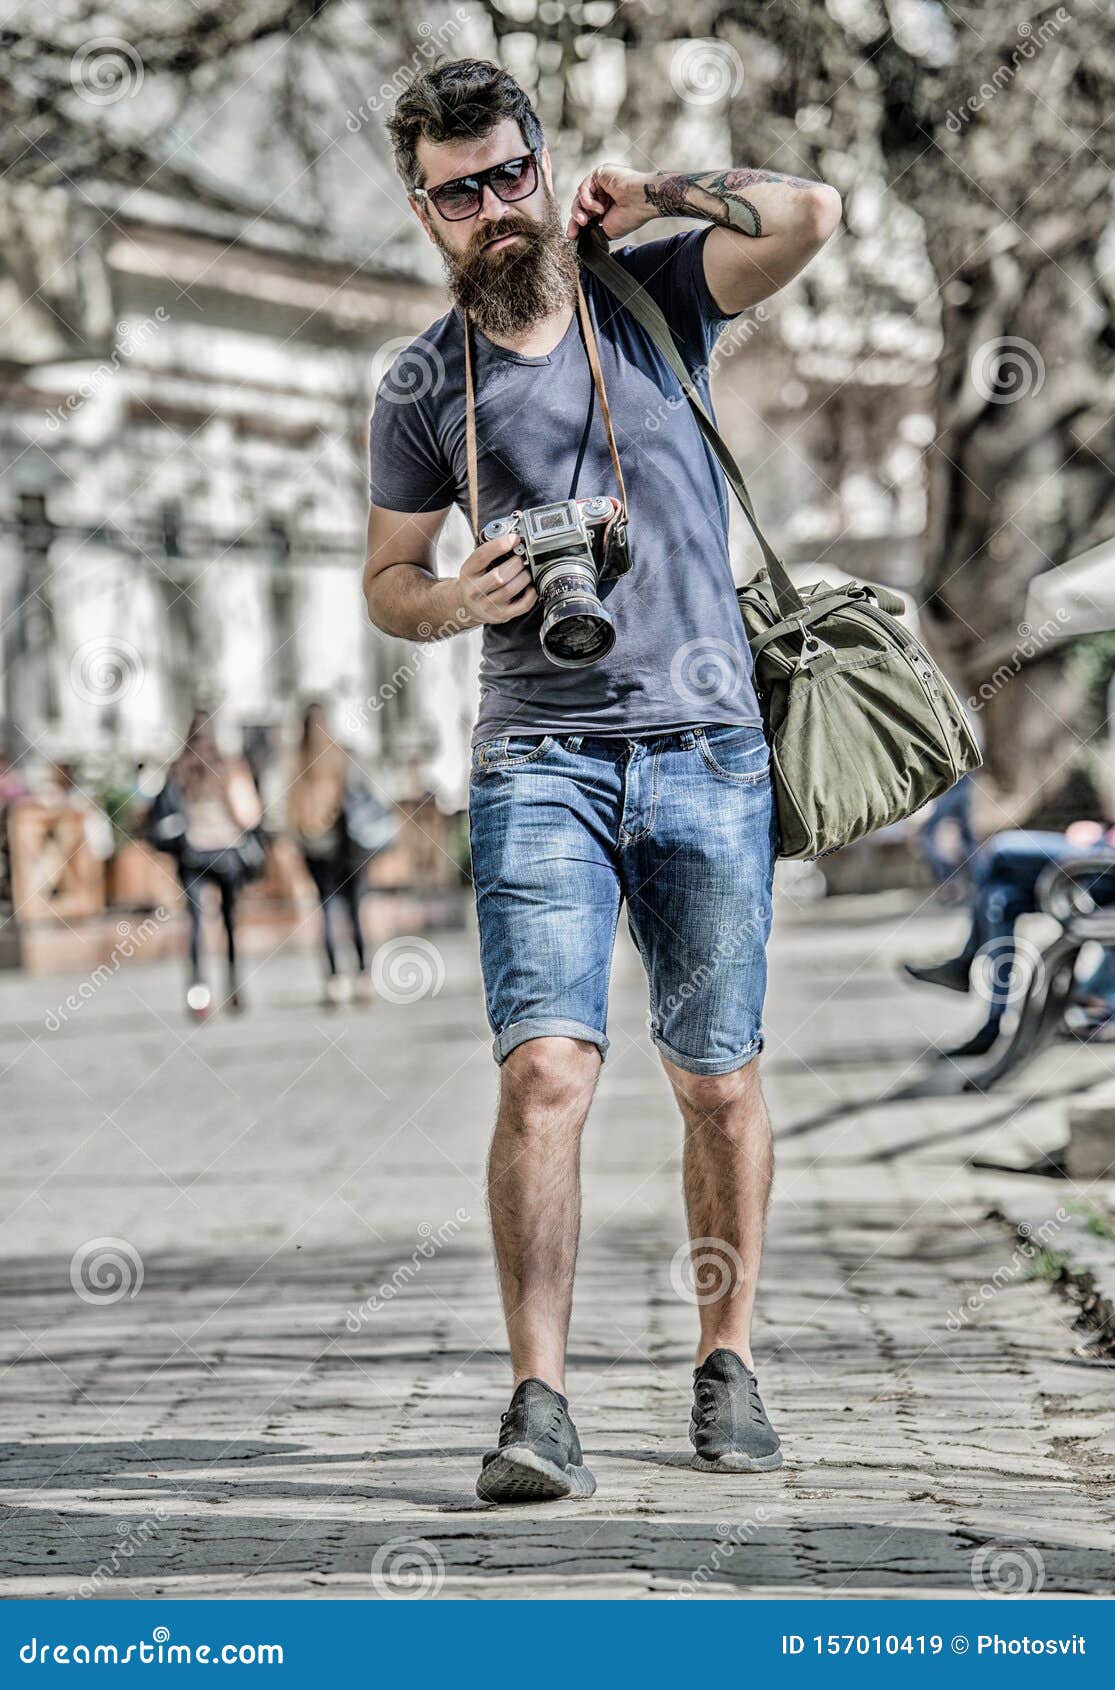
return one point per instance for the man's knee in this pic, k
(720, 1098)
(545, 1077)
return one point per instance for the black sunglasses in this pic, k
(516, 179)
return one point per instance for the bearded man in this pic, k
(627, 780)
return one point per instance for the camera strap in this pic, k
(588, 336)
(592, 248)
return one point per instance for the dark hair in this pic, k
(462, 97)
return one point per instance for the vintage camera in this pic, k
(570, 548)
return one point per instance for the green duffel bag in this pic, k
(863, 727)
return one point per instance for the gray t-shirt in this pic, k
(681, 656)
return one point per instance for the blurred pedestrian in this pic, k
(318, 793)
(948, 841)
(1005, 873)
(208, 814)
(13, 788)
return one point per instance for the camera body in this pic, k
(570, 547)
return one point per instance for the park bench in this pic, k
(1079, 895)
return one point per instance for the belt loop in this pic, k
(574, 742)
(687, 740)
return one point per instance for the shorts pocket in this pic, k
(741, 755)
(511, 751)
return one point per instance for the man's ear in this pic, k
(547, 168)
(422, 215)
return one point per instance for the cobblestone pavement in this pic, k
(284, 1383)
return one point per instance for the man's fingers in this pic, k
(594, 197)
(487, 553)
(518, 606)
(589, 202)
(508, 586)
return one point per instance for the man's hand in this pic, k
(614, 197)
(495, 583)
(406, 596)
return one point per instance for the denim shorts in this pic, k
(567, 828)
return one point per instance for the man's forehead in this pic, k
(440, 161)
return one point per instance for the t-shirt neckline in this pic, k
(492, 349)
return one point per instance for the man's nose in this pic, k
(492, 208)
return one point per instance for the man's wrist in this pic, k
(448, 614)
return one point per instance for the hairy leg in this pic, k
(534, 1196)
(729, 1163)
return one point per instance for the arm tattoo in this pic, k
(716, 196)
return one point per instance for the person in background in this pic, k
(317, 802)
(13, 788)
(216, 798)
(1005, 875)
(948, 842)
(12, 784)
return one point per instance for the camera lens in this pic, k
(576, 629)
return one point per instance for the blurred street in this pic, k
(253, 1343)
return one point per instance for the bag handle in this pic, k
(593, 355)
(592, 247)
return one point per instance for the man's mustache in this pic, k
(533, 232)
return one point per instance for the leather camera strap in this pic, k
(588, 335)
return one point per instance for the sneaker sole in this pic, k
(735, 1463)
(517, 1474)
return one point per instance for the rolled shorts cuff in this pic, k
(711, 1064)
(545, 1027)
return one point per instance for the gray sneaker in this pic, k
(729, 1428)
(539, 1454)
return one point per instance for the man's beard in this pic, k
(507, 292)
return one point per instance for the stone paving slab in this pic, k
(295, 1398)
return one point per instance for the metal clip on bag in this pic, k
(863, 727)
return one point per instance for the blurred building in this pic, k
(185, 388)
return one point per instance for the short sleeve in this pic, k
(673, 272)
(407, 471)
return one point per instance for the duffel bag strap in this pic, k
(592, 247)
(815, 609)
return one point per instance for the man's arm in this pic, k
(406, 598)
(767, 226)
